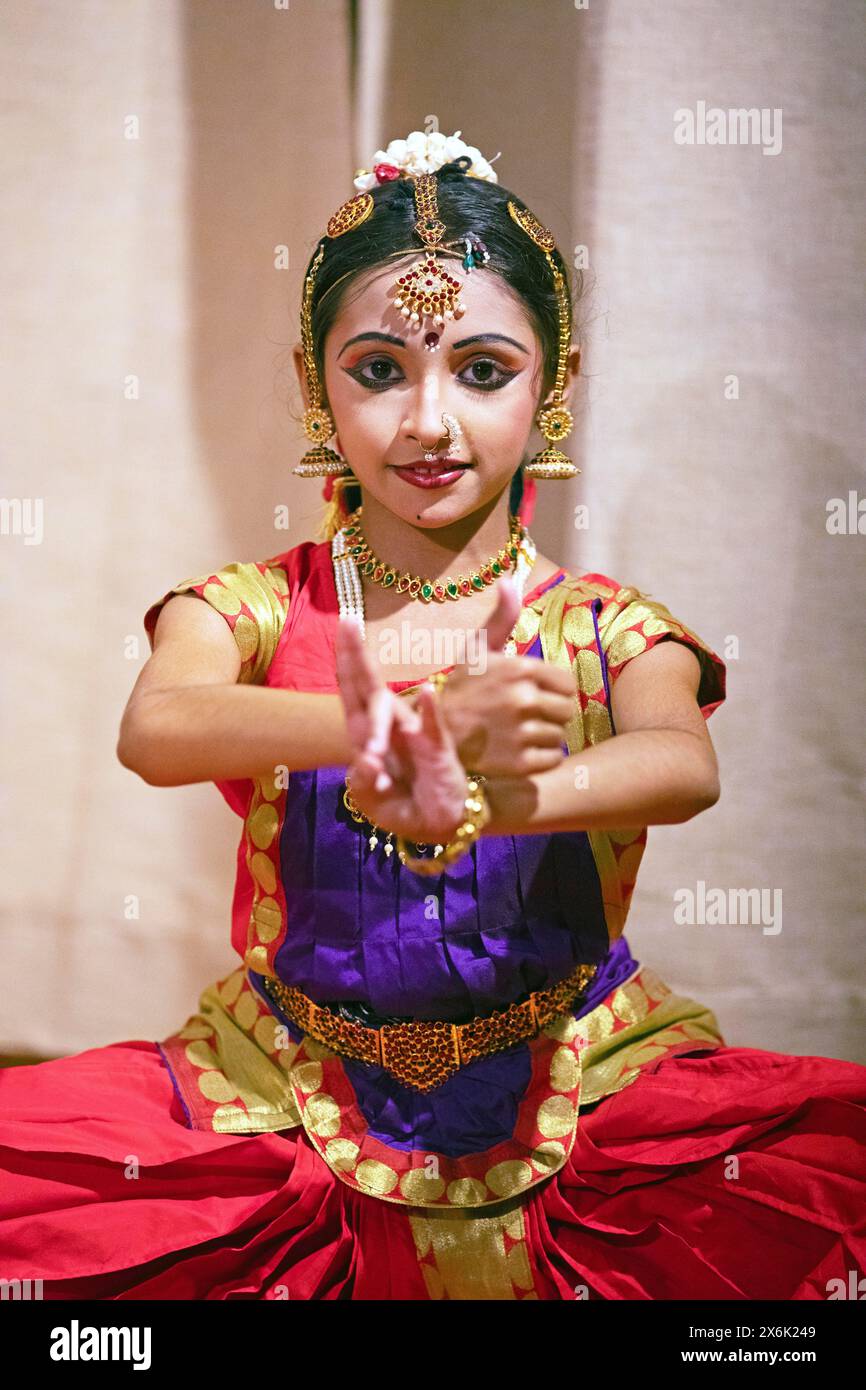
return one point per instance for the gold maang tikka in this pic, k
(555, 421)
(427, 290)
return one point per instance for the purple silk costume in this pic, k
(516, 914)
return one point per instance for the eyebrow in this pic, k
(464, 342)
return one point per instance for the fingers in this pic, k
(368, 703)
(523, 700)
(380, 710)
(434, 749)
(535, 733)
(547, 705)
(504, 615)
(354, 662)
(397, 718)
(533, 760)
(440, 781)
(545, 674)
(368, 774)
(430, 712)
(406, 719)
(357, 675)
(554, 678)
(363, 772)
(347, 650)
(358, 679)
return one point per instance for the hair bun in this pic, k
(461, 165)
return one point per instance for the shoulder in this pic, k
(631, 621)
(620, 606)
(628, 621)
(252, 596)
(573, 587)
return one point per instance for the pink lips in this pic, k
(437, 474)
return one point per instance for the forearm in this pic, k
(647, 777)
(215, 733)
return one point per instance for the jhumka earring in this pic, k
(555, 420)
(320, 461)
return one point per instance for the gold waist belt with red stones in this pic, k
(422, 1054)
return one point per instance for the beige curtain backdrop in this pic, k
(157, 159)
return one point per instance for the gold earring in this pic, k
(555, 421)
(320, 461)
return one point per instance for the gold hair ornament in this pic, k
(555, 420)
(427, 290)
(321, 461)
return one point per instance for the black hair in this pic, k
(466, 204)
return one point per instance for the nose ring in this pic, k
(454, 432)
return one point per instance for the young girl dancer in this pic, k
(437, 1071)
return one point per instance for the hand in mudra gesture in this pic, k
(406, 775)
(508, 714)
(507, 719)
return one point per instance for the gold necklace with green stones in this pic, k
(426, 589)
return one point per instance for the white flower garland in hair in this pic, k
(422, 154)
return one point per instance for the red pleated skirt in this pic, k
(731, 1174)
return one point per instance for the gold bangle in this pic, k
(477, 815)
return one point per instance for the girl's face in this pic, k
(387, 392)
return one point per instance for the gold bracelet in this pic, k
(477, 815)
(437, 680)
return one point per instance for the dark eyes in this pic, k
(481, 378)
